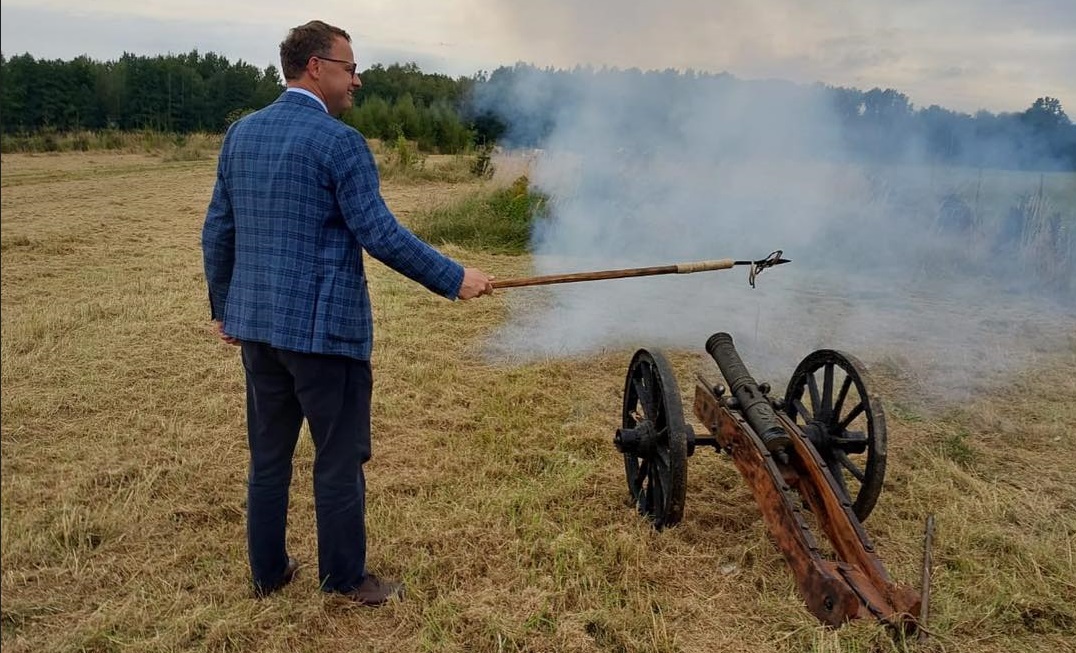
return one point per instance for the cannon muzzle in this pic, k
(752, 401)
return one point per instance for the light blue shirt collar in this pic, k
(293, 89)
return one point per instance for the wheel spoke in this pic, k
(842, 395)
(838, 477)
(860, 407)
(827, 391)
(802, 410)
(655, 494)
(635, 479)
(812, 386)
(644, 471)
(659, 401)
(847, 463)
(646, 397)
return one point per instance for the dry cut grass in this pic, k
(494, 491)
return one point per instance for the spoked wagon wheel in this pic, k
(654, 439)
(828, 398)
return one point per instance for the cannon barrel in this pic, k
(753, 403)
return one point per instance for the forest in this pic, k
(205, 92)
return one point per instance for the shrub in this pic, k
(483, 163)
(499, 221)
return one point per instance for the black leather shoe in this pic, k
(374, 591)
(262, 591)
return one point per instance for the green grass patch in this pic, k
(498, 222)
(187, 146)
(402, 161)
(955, 447)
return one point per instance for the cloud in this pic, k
(1027, 47)
(1008, 52)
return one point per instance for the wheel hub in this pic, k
(638, 441)
(825, 439)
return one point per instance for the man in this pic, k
(296, 200)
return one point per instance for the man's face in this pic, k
(338, 77)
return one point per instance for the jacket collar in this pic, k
(302, 96)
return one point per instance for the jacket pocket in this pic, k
(347, 308)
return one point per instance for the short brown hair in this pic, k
(310, 40)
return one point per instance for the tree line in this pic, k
(402, 101)
(523, 105)
(516, 105)
(177, 93)
(197, 92)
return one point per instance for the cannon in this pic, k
(816, 455)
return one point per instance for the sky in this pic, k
(966, 55)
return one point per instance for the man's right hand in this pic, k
(475, 284)
(218, 329)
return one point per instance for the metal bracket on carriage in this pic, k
(798, 454)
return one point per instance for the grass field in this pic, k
(494, 492)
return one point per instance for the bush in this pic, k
(402, 160)
(483, 163)
(498, 222)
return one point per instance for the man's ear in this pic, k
(313, 68)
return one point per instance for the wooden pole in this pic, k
(680, 268)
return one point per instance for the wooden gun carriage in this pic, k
(819, 449)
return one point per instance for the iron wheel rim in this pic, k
(657, 480)
(845, 423)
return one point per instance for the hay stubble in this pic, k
(494, 491)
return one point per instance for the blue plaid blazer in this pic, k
(297, 199)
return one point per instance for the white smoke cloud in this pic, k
(885, 264)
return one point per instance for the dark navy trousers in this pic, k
(333, 394)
